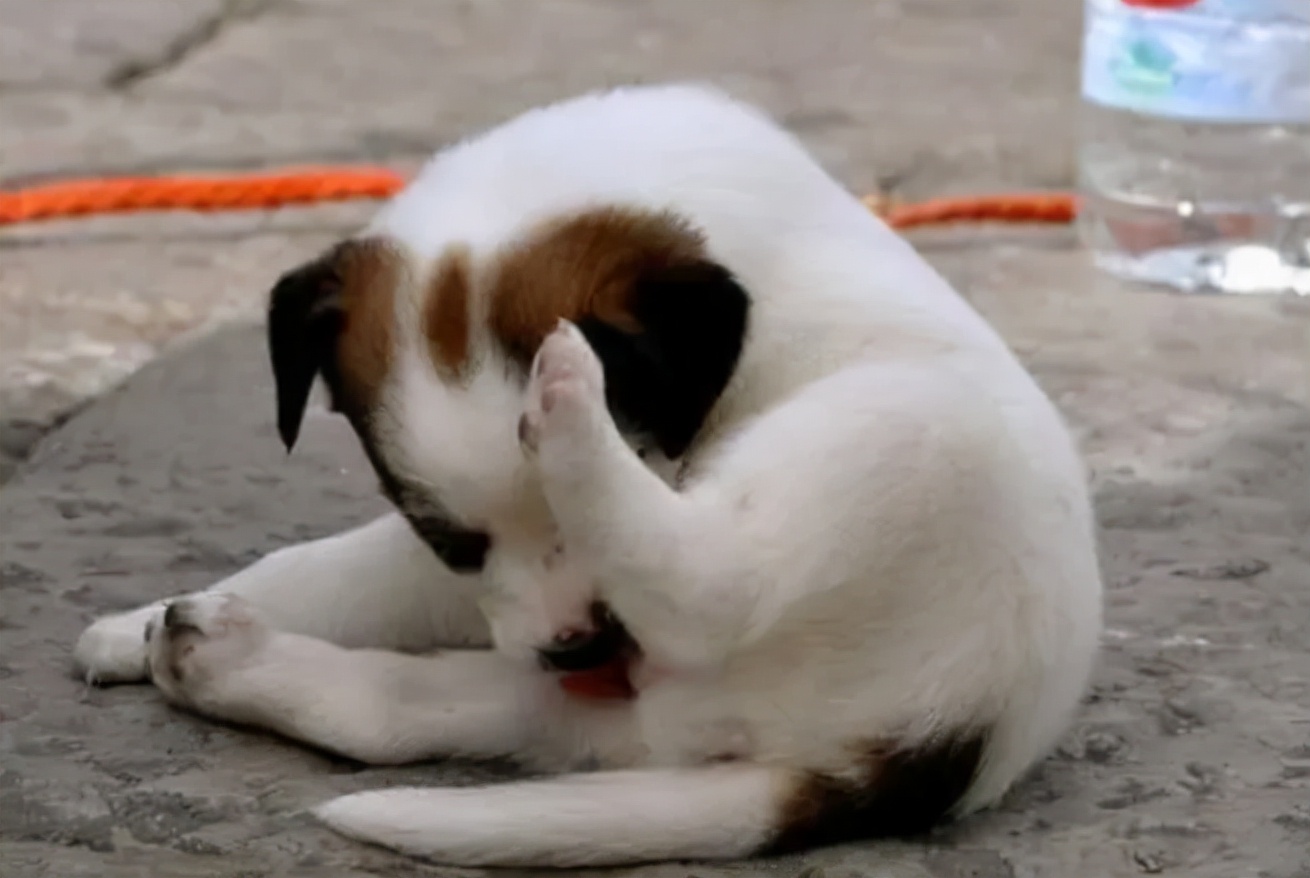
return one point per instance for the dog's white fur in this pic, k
(884, 530)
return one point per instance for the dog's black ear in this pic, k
(662, 380)
(305, 317)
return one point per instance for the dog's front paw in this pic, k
(199, 645)
(566, 392)
(113, 649)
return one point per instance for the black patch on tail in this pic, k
(903, 793)
(662, 380)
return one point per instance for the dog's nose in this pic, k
(579, 651)
(584, 650)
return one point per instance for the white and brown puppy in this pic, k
(636, 351)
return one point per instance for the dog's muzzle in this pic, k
(586, 650)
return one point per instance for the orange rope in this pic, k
(1016, 207)
(202, 193)
(263, 191)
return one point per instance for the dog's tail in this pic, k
(594, 819)
(724, 811)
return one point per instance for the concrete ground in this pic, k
(1191, 755)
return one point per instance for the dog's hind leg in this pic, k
(604, 818)
(377, 585)
(878, 483)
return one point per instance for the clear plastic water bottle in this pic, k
(1194, 154)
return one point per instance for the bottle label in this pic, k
(1184, 59)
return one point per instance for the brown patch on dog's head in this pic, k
(369, 272)
(585, 266)
(895, 792)
(667, 322)
(446, 313)
(334, 317)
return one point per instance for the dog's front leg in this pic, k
(659, 562)
(377, 585)
(215, 655)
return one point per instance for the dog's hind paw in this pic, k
(566, 392)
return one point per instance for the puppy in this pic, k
(635, 356)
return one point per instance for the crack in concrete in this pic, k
(135, 70)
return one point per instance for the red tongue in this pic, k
(609, 680)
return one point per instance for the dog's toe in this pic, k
(198, 640)
(209, 615)
(566, 390)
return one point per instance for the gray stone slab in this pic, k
(52, 43)
(1189, 756)
(929, 96)
(74, 134)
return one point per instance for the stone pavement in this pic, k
(1192, 754)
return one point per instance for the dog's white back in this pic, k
(848, 532)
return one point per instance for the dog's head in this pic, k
(428, 360)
